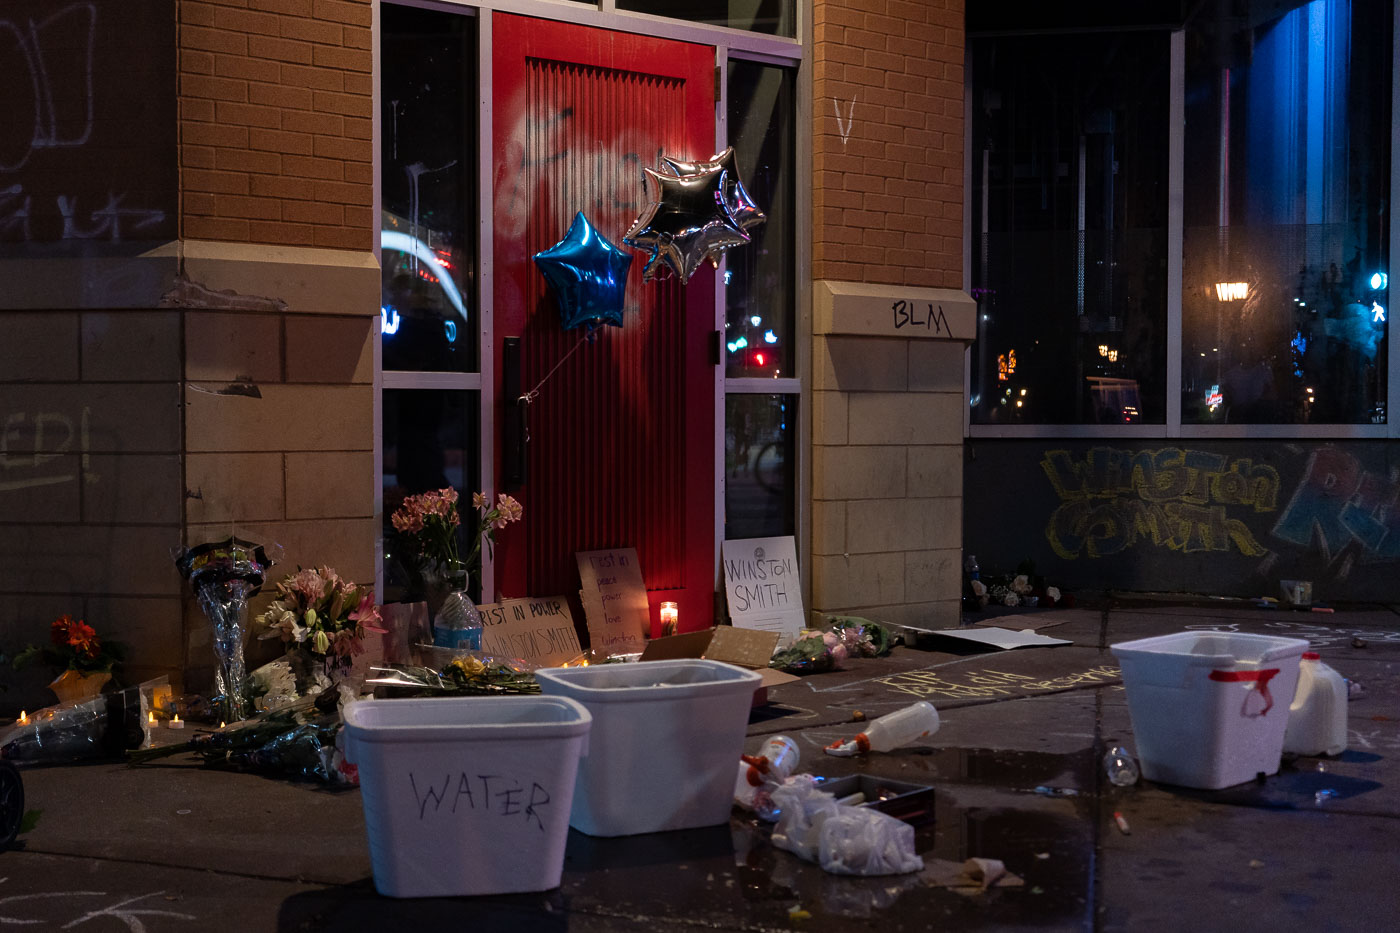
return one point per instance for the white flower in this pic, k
(979, 588)
(1011, 599)
(1022, 584)
(1052, 593)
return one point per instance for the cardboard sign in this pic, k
(747, 648)
(614, 599)
(762, 585)
(537, 631)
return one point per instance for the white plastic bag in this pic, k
(844, 840)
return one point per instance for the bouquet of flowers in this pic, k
(73, 646)
(318, 614)
(813, 653)
(428, 528)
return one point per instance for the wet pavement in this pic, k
(1015, 775)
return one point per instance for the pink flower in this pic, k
(367, 614)
(310, 585)
(479, 500)
(509, 509)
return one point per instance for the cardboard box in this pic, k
(751, 649)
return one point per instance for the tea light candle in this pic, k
(176, 723)
(151, 720)
(23, 718)
(670, 618)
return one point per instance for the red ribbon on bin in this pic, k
(1262, 677)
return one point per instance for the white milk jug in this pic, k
(1317, 719)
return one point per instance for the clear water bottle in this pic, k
(1120, 766)
(891, 731)
(457, 624)
(758, 774)
(970, 567)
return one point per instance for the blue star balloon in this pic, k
(587, 275)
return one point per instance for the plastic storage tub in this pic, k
(666, 736)
(466, 795)
(1209, 709)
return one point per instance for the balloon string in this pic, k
(534, 393)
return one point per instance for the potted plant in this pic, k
(84, 659)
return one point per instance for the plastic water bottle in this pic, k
(457, 624)
(1317, 718)
(1120, 766)
(891, 731)
(771, 766)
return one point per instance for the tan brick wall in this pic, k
(275, 118)
(887, 151)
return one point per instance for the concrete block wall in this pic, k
(90, 484)
(275, 121)
(887, 418)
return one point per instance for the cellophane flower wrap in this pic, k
(317, 613)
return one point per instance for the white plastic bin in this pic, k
(666, 735)
(466, 795)
(1209, 709)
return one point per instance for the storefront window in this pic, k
(428, 170)
(1285, 282)
(759, 292)
(774, 17)
(429, 443)
(1069, 162)
(759, 465)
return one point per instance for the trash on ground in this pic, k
(973, 876)
(843, 840)
(1120, 766)
(1317, 718)
(890, 731)
(993, 638)
(1122, 823)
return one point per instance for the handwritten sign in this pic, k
(481, 795)
(762, 585)
(614, 599)
(540, 631)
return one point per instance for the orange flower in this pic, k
(58, 630)
(82, 638)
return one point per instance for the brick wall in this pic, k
(888, 141)
(275, 121)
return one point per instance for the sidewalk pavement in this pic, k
(177, 847)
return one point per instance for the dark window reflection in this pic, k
(1069, 199)
(759, 291)
(428, 169)
(759, 465)
(770, 16)
(1284, 292)
(430, 442)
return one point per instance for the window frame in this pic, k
(1173, 427)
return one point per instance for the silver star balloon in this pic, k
(736, 197)
(686, 223)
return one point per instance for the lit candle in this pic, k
(670, 618)
(151, 720)
(176, 723)
(23, 718)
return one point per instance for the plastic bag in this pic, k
(844, 840)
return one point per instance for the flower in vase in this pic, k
(319, 613)
(429, 525)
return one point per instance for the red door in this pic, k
(621, 448)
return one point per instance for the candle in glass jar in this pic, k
(670, 618)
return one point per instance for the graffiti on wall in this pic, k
(65, 123)
(1188, 501)
(1344, 508)
(1183, 500)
